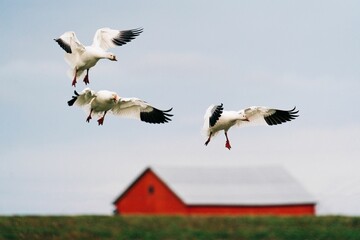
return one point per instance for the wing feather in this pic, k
(212, 114)
(69, 42)
(216, 112)
(266, 116)
(84, 98)
(280, 116)
(106, 38)
(141, 110)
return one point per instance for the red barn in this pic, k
(266, 190)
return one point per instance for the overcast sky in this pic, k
(191, 54)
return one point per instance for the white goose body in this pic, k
(88, 58)
(226, 121)
(81, 58)
(101, 102)
(216, 119)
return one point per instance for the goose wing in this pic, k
(141, 110)
(213, 114)
(83, 98)
(106, 38)
(256, 115)
(69, 42)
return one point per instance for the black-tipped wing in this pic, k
(69, 42)
(156, 116)
(64, 45)
(82, 98)
(266, 116)
(281, 116)
(126, 36)
(74, 98)
(215, 114)
(106, 38)
(141, 110)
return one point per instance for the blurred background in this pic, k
(191, 54)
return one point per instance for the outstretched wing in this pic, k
(106, 38)
(141, 110)
(84, 98)
(69, 42)
(264, 115)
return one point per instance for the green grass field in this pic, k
(178, 227)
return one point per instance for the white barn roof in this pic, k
(269, 185)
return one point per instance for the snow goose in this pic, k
(216, 119)
(101, 102)
(81, 58)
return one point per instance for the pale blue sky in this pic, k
(190, 55)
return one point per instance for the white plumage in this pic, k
(81, 58)
(104, 101)
(216, 119)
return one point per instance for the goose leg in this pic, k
(208, 140)
(227, 144)
(101, 120)
(74, 80)
(89, 117)
(86, 78)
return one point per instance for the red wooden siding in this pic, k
(254, 210)
(150, 195)
(139, 200)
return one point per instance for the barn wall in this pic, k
(254, 210)
(149, 195)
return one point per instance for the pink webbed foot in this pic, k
(100, 121)
(86, 79)
(227, 145)
(89, 117)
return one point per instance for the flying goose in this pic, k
(81, 58)
(101, 102)
(216, 119)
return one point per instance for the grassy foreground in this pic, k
(178, 227)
